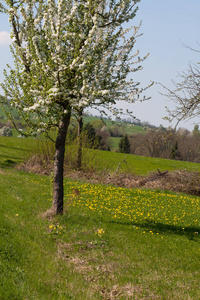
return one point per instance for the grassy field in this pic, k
(14, 150)
(139, 165)
(110, 243)
(114, 142)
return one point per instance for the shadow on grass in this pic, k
(8, 160)
(8, 163)
(14, 148)
(191, 232)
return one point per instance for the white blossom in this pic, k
(105, 92)
(71, 61)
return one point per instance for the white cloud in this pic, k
(5, 38)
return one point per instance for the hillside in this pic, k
(127, 128)
(18, 149)
(110, 243)
(103, 166)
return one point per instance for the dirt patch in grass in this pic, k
(49, 214)
(36, 164)
(177, 181)
(127, 291)
(96, 269)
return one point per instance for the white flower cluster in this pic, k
(77, 53)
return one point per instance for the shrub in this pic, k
(5, 131)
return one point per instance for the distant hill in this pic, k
(127, 128)
(119, 128)
(123, 126)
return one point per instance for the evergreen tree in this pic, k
(196, 129)
(90, 136)
(124, 145)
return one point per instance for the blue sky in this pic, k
(166, 26)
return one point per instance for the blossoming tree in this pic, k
(68, 55)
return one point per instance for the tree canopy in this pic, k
(69, 55)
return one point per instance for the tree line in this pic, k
(171, 144)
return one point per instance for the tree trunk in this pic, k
(80, 141)
(58, 190)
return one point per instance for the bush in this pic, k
(5, 131)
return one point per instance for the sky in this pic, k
(167, 25)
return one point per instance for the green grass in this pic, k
(111, 243)
(115, 142)
(14, 150)
(139, 165)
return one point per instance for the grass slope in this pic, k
(14, 150)
(139, 165)
(114, 141)
(111, 243)
(127, 128)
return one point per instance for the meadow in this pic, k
(15, 150)
(110, 243)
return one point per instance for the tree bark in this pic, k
(58, 190)
(80, 141)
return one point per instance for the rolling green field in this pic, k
(14, 150)
(138, 165)
(127, 128)
(110, 243)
